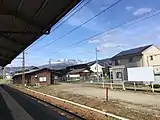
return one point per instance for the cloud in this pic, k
(84, 15)
(95, 41)
(81, 18)
(103, 8)
(105, 46)
(143, 33)
(129, 8)
(97, 24)
(142, 11)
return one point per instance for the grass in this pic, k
(5, 81)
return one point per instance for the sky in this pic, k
(138, 21)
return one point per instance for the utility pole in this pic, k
(23, 67)
(97, 65)
(50, 63)
(4, 73)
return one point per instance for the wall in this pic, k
(35, 77)
(157, 79)
(137, 61)
(152, 51)
(17, 80)
(94, 68)
(156, 69)
(120, 69)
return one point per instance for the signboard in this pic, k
(140, 74)
(42, 79)
(74, 76)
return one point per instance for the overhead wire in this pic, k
(157, 12)
(110, 6)
(154, 13)
(64, 19)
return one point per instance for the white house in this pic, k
(145, 56)
(78, 74)
(96, 67)
(8, 76)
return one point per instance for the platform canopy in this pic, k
(23, 21)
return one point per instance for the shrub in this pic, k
(1, 77)
(155, 85)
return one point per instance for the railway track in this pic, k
(39, 109)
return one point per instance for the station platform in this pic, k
(15, 105)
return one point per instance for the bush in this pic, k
(1, 77)
(155, 85)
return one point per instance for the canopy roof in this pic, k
(23, 21)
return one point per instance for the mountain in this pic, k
(59, 64)
(104, 62)
(69, 61)
(11, 70)
(63, 63)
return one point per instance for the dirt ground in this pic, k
(128, 104)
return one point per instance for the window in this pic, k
(42, 79)
(119, 74)
(131, 59)
(55, 77)
(151, 57)
(117, 62)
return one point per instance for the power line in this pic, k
(157, 12)
(63, 21)
(71, 15)
(142, 18)
(112, 5)
(130, 23)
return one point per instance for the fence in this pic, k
(126, 86)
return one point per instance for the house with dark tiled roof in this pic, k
(145, 56)
(102, 65)
(34, 77)
(78, 74)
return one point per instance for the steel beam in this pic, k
(4, 57)
(21, 32)
(40, 9)
(19, 16)
(7, 49)
(11, 39)
(20, 5)
(58, 17)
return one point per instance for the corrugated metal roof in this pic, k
(134, 51)
(31, 71)
(24, 21)
(104, 62)
(77, 71)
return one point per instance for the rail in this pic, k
(108, 115)
(49, 105)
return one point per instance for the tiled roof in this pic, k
(103, 62)
(77, 71)
(134, 51)
(31, 71)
